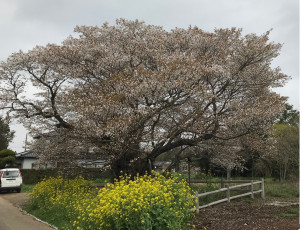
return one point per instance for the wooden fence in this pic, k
(228, 197)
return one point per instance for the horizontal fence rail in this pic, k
(228, 197)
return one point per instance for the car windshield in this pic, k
(10, 174)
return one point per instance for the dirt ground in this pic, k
(17, 199)
(256, 215)
(11, 217)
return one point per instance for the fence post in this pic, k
(197, 202)
(228, 193)
(262, 188)
(252, 194)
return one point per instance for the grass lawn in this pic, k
(55, 217)
(27, 187)
(275, 189)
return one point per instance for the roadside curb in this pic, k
(37, 219)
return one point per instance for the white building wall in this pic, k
(27, 163)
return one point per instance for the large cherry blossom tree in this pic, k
(133, 91)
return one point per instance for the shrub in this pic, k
(147, 202)
(7, 158)
(52, 199)
(57, 192)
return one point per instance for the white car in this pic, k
(10, 179)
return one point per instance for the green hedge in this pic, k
(33, 176)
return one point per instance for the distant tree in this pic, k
(135, 91)
(286, 133)
(283, 160)
(6, 135)
(7, 158)
(227, 156)
(287, 143)
(289, 116)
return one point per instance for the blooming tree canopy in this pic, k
(133, 91)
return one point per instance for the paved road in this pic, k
(11, 218)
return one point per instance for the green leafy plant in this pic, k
(146, 202)
(7, 158)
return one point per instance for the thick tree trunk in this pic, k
(281, 173)
(228, 173)
(129, 161)
(128, 165)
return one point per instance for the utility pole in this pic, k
(26, 142)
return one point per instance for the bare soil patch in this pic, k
(17, 199)
(242, 215)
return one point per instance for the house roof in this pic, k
(26, 154)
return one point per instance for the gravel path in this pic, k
(11, 216)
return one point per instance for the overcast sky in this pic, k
(27, 23)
